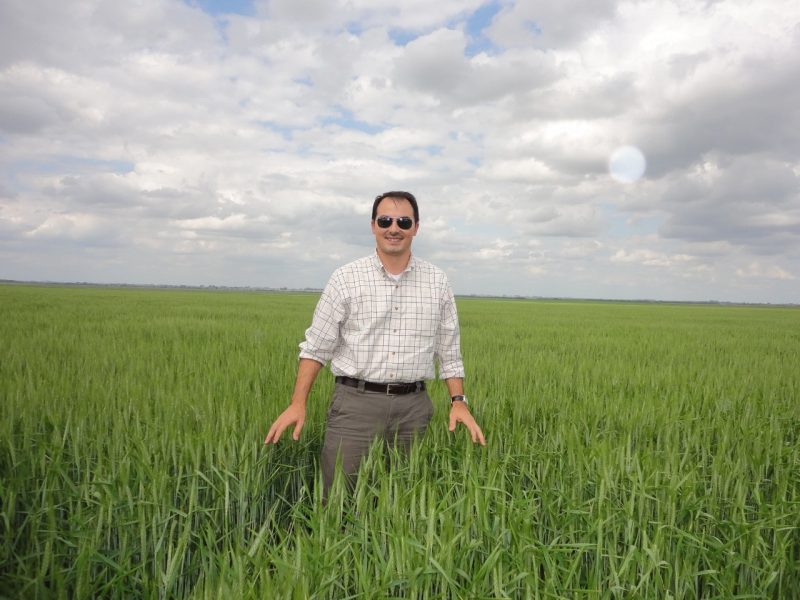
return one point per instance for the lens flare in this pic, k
(627, 164)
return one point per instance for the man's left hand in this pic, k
(460, 413)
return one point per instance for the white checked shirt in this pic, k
(371, 327)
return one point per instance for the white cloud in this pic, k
(499, 250)
(650, 258)
(549, 24)
(436, 65)
(581, 249)
(75, 227)
(756, 270)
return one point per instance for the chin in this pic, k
(394, 249)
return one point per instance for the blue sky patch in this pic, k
(474, 26)
(533, 27)
(283, 130)
(402, 37)
(74, 165)
(345, 119)
(224, 7)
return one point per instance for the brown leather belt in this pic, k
(392, 389)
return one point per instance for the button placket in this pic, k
(394, 327)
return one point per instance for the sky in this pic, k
(627, 149)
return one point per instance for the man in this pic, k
(381, 321)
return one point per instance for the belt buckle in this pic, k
(389, 388)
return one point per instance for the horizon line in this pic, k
(286, 289)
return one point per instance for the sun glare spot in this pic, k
(627, 164)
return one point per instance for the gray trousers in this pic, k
(356, 419)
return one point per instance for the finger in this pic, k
(452, 426)
(480, 439)
(270, 433)
(274, 434)
(297, 429)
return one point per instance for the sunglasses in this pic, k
(402, 222)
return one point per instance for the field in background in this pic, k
(634, 451)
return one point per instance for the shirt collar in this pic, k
(376, 262)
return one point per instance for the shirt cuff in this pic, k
(320, 359)
(451, 370)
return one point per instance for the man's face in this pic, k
(394, 241)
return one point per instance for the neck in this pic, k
(394, 264)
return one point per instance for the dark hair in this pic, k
(400, 196)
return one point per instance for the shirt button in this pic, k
(391, 376)
(394, 331)
(396, 307)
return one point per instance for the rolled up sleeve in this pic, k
(447, 348)
(323, 335)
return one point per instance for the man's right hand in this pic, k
(294, 415)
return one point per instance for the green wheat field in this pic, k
(633, 451)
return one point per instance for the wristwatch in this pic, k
(459, 398)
